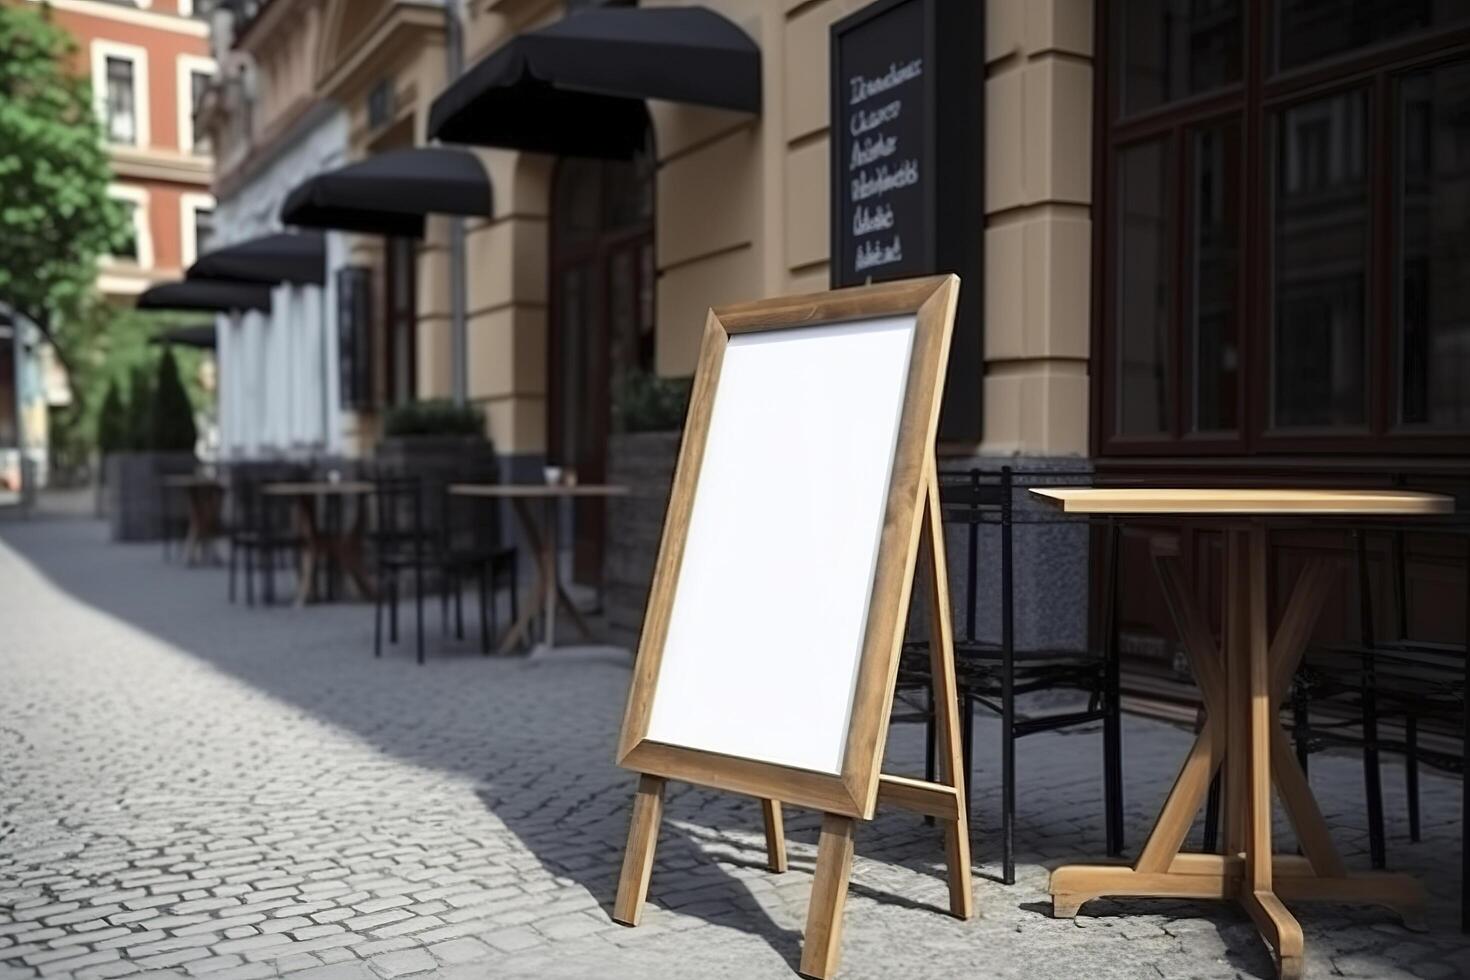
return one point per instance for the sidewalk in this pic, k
(189, 787)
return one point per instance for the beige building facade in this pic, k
(736, 207)
(741, 211)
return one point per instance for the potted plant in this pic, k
(144, 437)
(437, 441)
(648, 421)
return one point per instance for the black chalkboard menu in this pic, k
(908, 89)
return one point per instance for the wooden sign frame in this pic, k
(911, 527)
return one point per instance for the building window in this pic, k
(136, 248)
(120, 88)
(203, 229)
(401, 348)
(1278, 247)
(122, 118)
(198, 85)
(194, 76)
(196, 226)
(1431, 247)
(355, 337)
(126, 248)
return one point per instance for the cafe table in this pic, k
(324, 542)
(1242, 682)
(541, 540)
(205, 496)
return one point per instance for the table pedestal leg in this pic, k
(192, 532)
(1242, 731)
(545, 577)
(204, 505)
(312, 548)
(349, 555)
(552, 585)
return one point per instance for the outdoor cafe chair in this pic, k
(442, 547)
(472, 546)
(402, 545)
(258, 528)
(1389, 677)
(993, 673)
(173, 510)
(1349, 693)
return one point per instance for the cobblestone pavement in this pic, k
(189, 788)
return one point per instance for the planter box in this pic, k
(643, 461)
(438, 461)
(133, 491)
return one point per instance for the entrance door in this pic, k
(601, 335)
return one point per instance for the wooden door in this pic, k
(601, 307)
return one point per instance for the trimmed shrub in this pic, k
(172, 422)
(434, 417)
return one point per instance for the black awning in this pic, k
(577, 86)
(206, 294)
(390, 193)
(282, 257)
(199, 335)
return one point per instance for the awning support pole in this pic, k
(459, 340)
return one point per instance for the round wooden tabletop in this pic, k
(1261, 502)
(537, 490)
(315, 487)
(187, 481)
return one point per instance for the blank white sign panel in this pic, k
(766, 631)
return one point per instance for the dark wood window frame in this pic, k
(1253, 102)
(400, 321)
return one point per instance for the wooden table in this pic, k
(319, 544)
(205, 495)
(1243, 681)
(550, 593)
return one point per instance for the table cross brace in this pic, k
(1242, 682)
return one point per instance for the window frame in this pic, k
(140, 198)
(185, 67)
(1253, 103)
(190, 204)
(103, 49)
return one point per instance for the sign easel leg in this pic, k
(648, 812)
(775, 835)
(948, 749)
(821, 949)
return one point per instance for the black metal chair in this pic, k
(258, 527)
(401, 544)
(443, 542)
(1382, 679)
(173, 504)
(472, 546)
(993, 674)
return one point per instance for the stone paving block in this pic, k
(513, 939)
(246, 971)
(337, 971)
(365, 923)
(457, 951)
(213, 965)
(402, 963)
(413, 924)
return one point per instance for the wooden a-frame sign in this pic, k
(804, 499)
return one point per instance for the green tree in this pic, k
(54, 207)
(112, 433)
(105, 344)
(173, 413)
(140, 409)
